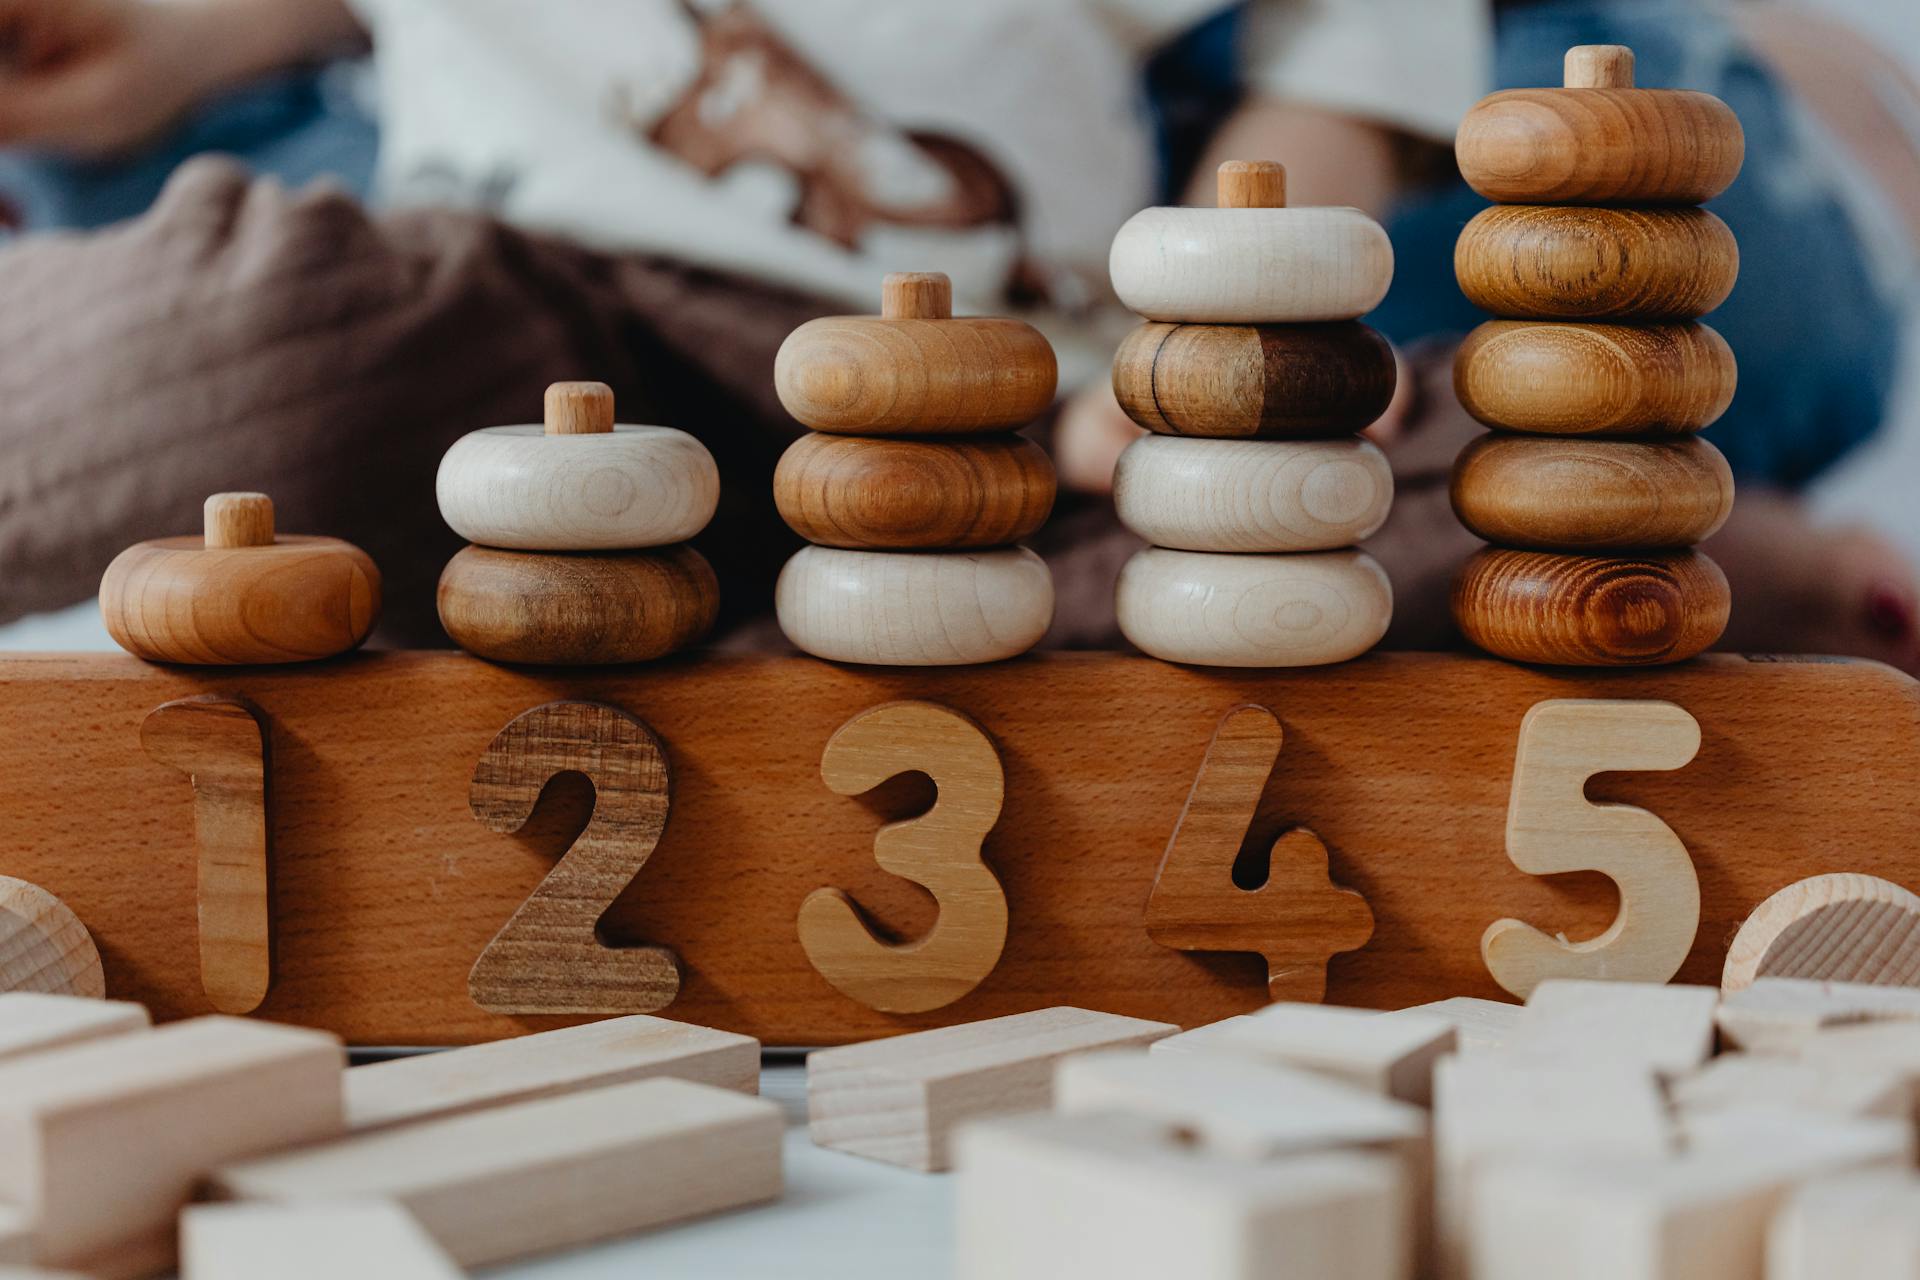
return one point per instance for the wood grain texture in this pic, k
(1253, 495)
(1591, 495)
(1598, 66)
(939, 851)
(1250, 184)
(1219, 610)
(220, 743)
(1571, 263)
(1840, 927)
(1280, 382)
(44, 947)
(548, 957)
(1595, 379)
(237, 520)
(1600, 146)
(617, 490)
(1572, 610)
(578, 408)
(1250, 266)
(387, 889)
(903, 495)
(904, 609)
(582, 608)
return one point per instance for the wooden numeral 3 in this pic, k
(1298, 918)
(1552, 827)
(939, 850)
(549, 957)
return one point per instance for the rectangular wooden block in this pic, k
(16, 1236)
(365, 1240)
(1771, 1082)
(1776, 1014)
(1667, 1027)
(1208, 1038)
(1850, 1225)
(553, 1062)
(102, 1142)
(1122, 1197)
(1478, 1024)
(31, 1021)
(899, 1100)
(1388, 1054)
(511, 1181)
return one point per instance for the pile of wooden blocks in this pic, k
(240, 1150)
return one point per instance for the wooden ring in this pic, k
(1600, 146)
(579, 609)
(868, 375)
(883, 494)
(1595, 379)
(914, 609)
(43, 945)
(1569, 263)
(1592, 495)
(1251, 266)
(1277, 382)
(1253, 495)
(1599, 611)
(526, 489)
(1843, 927)
(1253, 610)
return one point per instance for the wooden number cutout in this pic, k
(939, 851)
(221, 743)
(549, 958)
(1552, 827)
(43, 945)
(1298, 919)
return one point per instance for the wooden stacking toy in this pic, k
(1254, 374)
(1594, 487)
(240, 594)
(913, 490)
(579, 530)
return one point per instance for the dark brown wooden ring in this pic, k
(863, 493)
(577, 608)
(1269, 382)
(1595, 379)
(1592, 495)
(1592, 611)
(1558, 262)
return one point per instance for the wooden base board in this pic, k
(386, 889)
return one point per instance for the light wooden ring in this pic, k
(869, 375)
(524, 489)
(914, 609)
(1592, 495)
(584, 609)
(1844, 927)
(880, 494)
(1251, 266)
(1600, 146)
(1595, 379)
(1253, 610)
(1277, 382)
(1253, 495)
(1591, 611)
(43, 945)
(1570, 263)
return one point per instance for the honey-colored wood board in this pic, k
(885, 494)
(387, 890)
(44, 946)
(1569, 263)
(1565, 379)
(1219, 609)
(1626, 609)
(907, 608)
(1276, 382)
(1840, 927)
(367, 1239)
(1253, 495)
(1591, 495)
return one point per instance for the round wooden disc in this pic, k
(914, 609)
(880, 494)
(528, 490)
(1251, 266)
(1592, 495)
(1253, 495)
(1253, 610)
(865, 375)
(1569, 263)
(1600, 146)
(577, 609)
(295, 600)
(1844, 927)
(1597, 611)
(1277, 382)
(1595, 379)
(43, 945)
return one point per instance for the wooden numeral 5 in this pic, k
(1298, 918)
(1552, 827)
(549, 957)
(939, 850)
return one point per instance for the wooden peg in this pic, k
(916, 295)
(901, 495)
(1595, 379)
(1225, 610)
(1591, 495)
(1553, 828)
(1598, 66)
(238, 520)
(34, 1022)
(1571, 263)
(914, 609)
(220, 743)
(1253, 495)
(579, 408)
(371, 1239)
(1297, 918)
(1251, 184)
(940, 851)
(1629, 609)
(1267, 382)
(1843, 927)
(43, 946)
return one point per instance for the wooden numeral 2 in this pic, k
(1552, 827)
(939, 850)
(220, 742)
(548, 958)
(1298, 919)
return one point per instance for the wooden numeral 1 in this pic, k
(548, 958)
(221, 743)
(1298, 919)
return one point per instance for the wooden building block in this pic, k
(1215, 609)
(1853, 1224)
(1202, 1039)
(1888, 1046)
(102, 1142)
(1773, 1082)
(899, 1100)
(1777, 1014)
(1392, 1056)
(1591, 611)
(1561, 379)
(43, 945)
(1477, 1024)
(1806, 1142)
(33, 1022)
(914, 609)
(1841, 927)
(615, 1051)
(1668, 1028)
(16, 1236)
(1110, 1196)
(364, 1240)
(903, 495)
(512, 1181)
